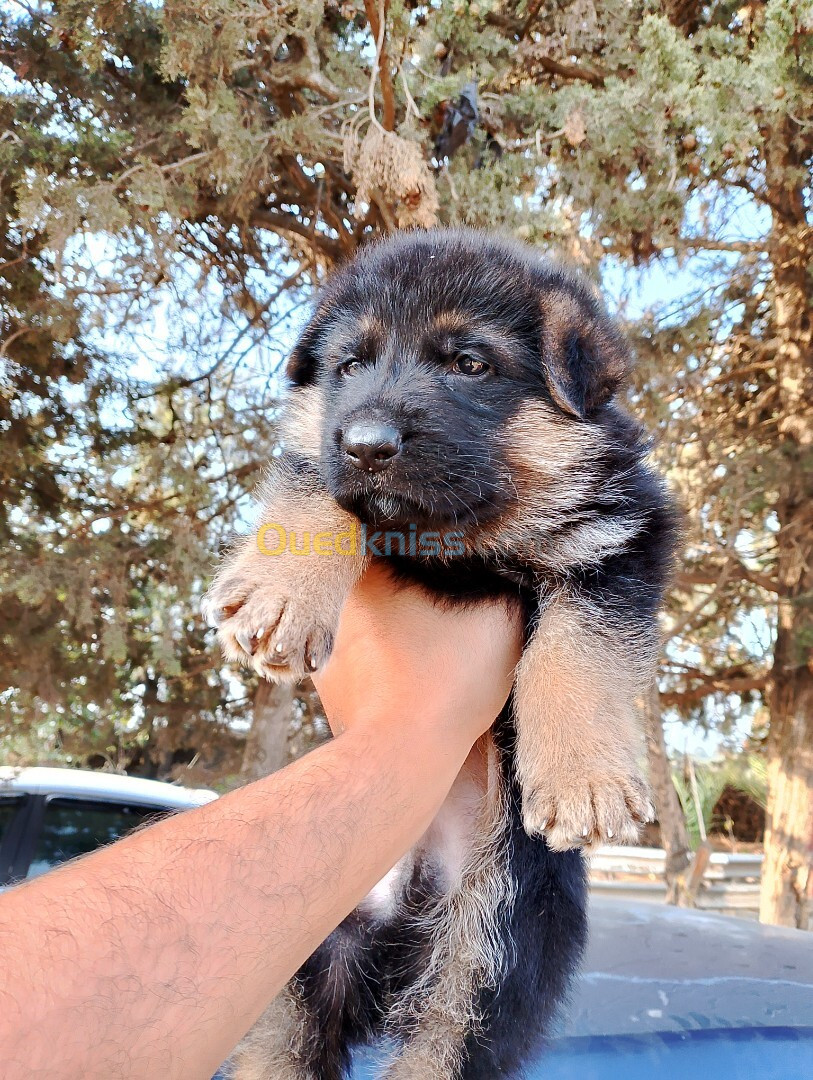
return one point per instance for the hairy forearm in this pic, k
(151, 958)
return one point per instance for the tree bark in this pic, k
(674, 836)
(266, 748)
(786, 875)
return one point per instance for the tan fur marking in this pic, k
(540, 440)
(549, 461)
(451, 320)
(370, 323)
(278, 613)
(303, 421)
(467, 952)
(349, 331)
(269, 1050)
(577, 731)
(562, 315)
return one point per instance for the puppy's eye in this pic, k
(469, 365)
(350, 366)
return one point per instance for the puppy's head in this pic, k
(443, 372)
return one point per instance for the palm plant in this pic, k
(699, 787)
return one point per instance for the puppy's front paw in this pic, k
(264, 625)
(597, 806)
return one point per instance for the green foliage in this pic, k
(747, 774)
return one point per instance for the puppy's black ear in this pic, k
(584, 353)
(303, 361)
(301, 367)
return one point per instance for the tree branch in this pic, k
(306, 74)
(711, 576)
(280, 222)
(713, 684)
(566, 70)
(533, 11)
(379, 33)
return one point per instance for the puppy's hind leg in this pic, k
(469, 953)
(333, 1003)
(275, 1047)
(297, 1040)
(548, 930)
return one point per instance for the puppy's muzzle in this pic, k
(371, 447)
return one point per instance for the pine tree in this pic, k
(240, 144)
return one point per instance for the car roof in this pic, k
(673, 993)
(86, 784)
(654, 967)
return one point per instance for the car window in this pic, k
(8, 808)
(71, 827)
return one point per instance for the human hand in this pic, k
(401, 656)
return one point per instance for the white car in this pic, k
(50, 815)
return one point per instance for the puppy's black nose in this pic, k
(371, 446)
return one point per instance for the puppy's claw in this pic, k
(266, 670)
(246, 640)
(606, 810)
(212, 613)
(277, 659)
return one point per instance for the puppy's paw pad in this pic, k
(224, 599)
(597, 809)
(276, 635)
(566, 822)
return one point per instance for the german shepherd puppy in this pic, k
(454, 392)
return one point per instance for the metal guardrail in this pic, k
(730, 883)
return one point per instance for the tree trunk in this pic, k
(786, 875)
(674, 837)
(267, 742)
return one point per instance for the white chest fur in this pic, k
(444, 846)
